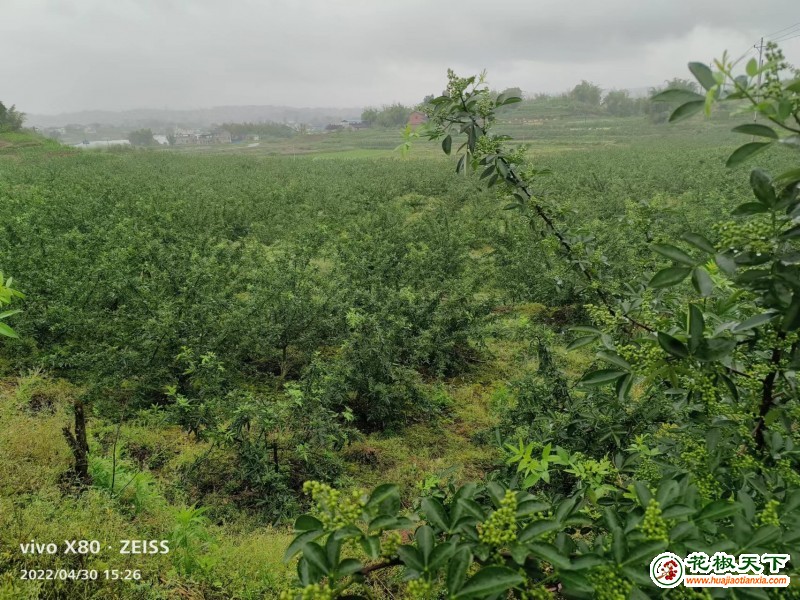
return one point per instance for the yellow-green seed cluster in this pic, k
(609, 584)
(419, 589)
(653, 526)
(753, 235)
(390, 544)
(334, 508)
(769, 516)
(501, 526)
(537, 593)
(641, 356)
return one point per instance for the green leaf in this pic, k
(697, 325)
(300, 541)
(672, 346)
(424, 537)
(316, 557)
(549, 553)
(435, 513)
(755, 321)
(675, 95)
(447, 144)
(752, 67)
(457, 569)
(714, 349)
(703, 75)
(756, 129)
(308, 523)
(674, 253)
(791, 318)
(726, 263)
(702, 282)
(669, 277)
(601, 377)
(348, 566)
(647, 550)
(529, 507)
(536, 529)
(789, 176)
(411, 557)
(677, 511)
(490, 581)
(761, 183)
(623, 387)
(749, 208)
(581, 341)
(698, 241)
(764, 537)
(461, 164)
(7, 331)
(642, 492)
(742, 153)
(684, 111)
(386, 498)
(718, 510)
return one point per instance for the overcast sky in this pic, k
(67, 55)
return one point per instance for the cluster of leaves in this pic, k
(10, 118)
(7, 294)
(716, 469)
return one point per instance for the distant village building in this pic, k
(417, 118)
(161, 139)
(189, 138)
(101, 144)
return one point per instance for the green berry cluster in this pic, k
(789, 472)
(537, 593)
(703, 385)
(602, 317)
(647, 470)
(315, 591)
(653, 526)
(419, 589)
(753, 235)
(390, 544)
(609, 584)
(335, 509)
(486, 145)
(769, 516)
(501, 526)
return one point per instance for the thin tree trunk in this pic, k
(79, 445)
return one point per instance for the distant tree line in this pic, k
(240, 130)
(391, 115)
(10, 118)
(588, 97)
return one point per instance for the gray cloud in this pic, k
(61, 55)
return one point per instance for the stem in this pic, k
(768, 393)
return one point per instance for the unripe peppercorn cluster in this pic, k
(753, 235)
(653, 526)
(419, 589)
(390, 545)
(335, 509)
(537, 593)
(769, 516)
(501, 526)
(609, 584)
(641, 356)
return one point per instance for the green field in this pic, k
(238, 320)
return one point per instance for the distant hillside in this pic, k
(153, 117)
